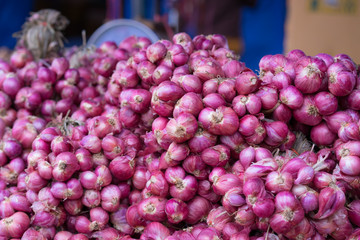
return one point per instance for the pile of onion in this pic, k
(178, 139)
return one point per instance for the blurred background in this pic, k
(254, 28)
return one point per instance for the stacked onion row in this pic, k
(178, 140)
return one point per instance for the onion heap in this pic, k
(178, 139)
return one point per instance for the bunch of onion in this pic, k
(146, 139)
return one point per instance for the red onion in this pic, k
(110, 198)
(174, 174)
(84, 159)
(155, 52)
(233, 68)
(213, 100)
(225, 183)
(215, 173)
(61, 144)
(140, 177)
(350, 148)
(235, 142)
(184, 189)
(277, 182)
(145, 70)
(152, 209)
(202, 140)
(308, 197)
(218, 155)
(198, 207)
(341, 81)
(308, 113)
(176, 210)
(309, 73)
(188, 82)
(305, 175)
(288, 212)
(206, 68)
(24, 132)
(336, 120)
(190, 103)
(245, 216)
(118, 220)
(233, 199)
(185, 41)
(353, 211)
(227, 89)
(331, 199)
(73, 207)
(35, 182)
(6, 209)
(182, 128)
(328, 59)
(65, 166)
(195, 166)
(175, 153)
(222, 121)
(122, 167)
(157, 185)
(253, 130)
(281, 80)
(243, 104)
(326, 103)
(15, 225)
(276, 132)
(217, 218)
(353, 100)
(155, 230)
(349, 165)
(321, 135)
(268, 97)
(11, 85)
(291, 97)
(246, 82)
(91, 198)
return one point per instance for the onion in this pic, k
(198, 207)
(253, 130)
(245, 216)
(122, 167)
(243, 104)
(233, 199)
(15, 225)
(341, 81)
(176, 210)
(288, 212)
(202, 140)
(308, 113)
(155, 230)
(268, 97)
(350, 165)
(246, 82)
(218, 155)
(321, 135)
(276, 132)
(152, 209)
(157, 185)
(277, 182)
(182, 128)
(225, 183)
(354, 212)
(326, 103)
(309, 73)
